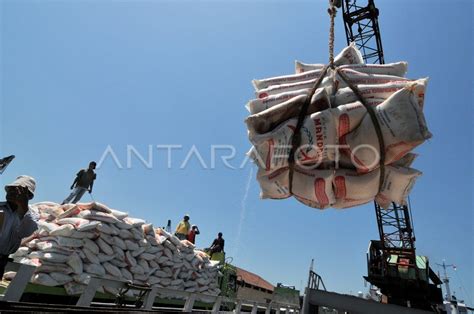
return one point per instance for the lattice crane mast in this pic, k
(393, 265)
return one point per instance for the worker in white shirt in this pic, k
(17, 220)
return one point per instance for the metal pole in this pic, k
(310, 271)
(446, 281)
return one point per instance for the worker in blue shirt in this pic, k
(17, 220)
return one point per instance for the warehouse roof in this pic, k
(253, 279)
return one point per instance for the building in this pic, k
(253, 287)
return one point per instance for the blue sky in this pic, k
(78, 76)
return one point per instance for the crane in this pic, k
(393, 266)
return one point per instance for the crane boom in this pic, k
(394, 223)
(362, 27)
(393, 265)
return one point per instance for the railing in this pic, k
(17, 286)
(24, 273)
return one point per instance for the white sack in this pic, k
(318, 140)
(60, 278)
(64, 230)
(75, 262)
(46, 267)
(95, 269)
(104, 247)
(91, 246)
(44, 279)
(340, 188)
(353, 189)
(396, 69)
(403, 127)
(126, 274)
(118, 214)
(381, 91)
(309, 186)
(267, 120)
(113, 270)
(91, 257)
(286, 79)
(258, 105)
(327, 84)
(74, 288)
(88, 226)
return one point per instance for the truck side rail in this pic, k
(190, 298)
(20, 281)
(24, 273)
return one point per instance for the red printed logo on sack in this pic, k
(318, 127)
(269, 155)
(320, 191)
(340, 183)
(344, 124)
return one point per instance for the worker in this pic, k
(217, 245)
(192, 234)
(17, 220)
(182, 229)
(168, 226)
(83, 182)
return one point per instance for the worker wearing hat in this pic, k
(17, 221)
(182, 229)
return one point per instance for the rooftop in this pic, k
(253, 279)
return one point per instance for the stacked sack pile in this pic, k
(338, 161)
(75, 242)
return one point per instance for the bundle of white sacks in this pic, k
(338, 161)
(75, 242)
